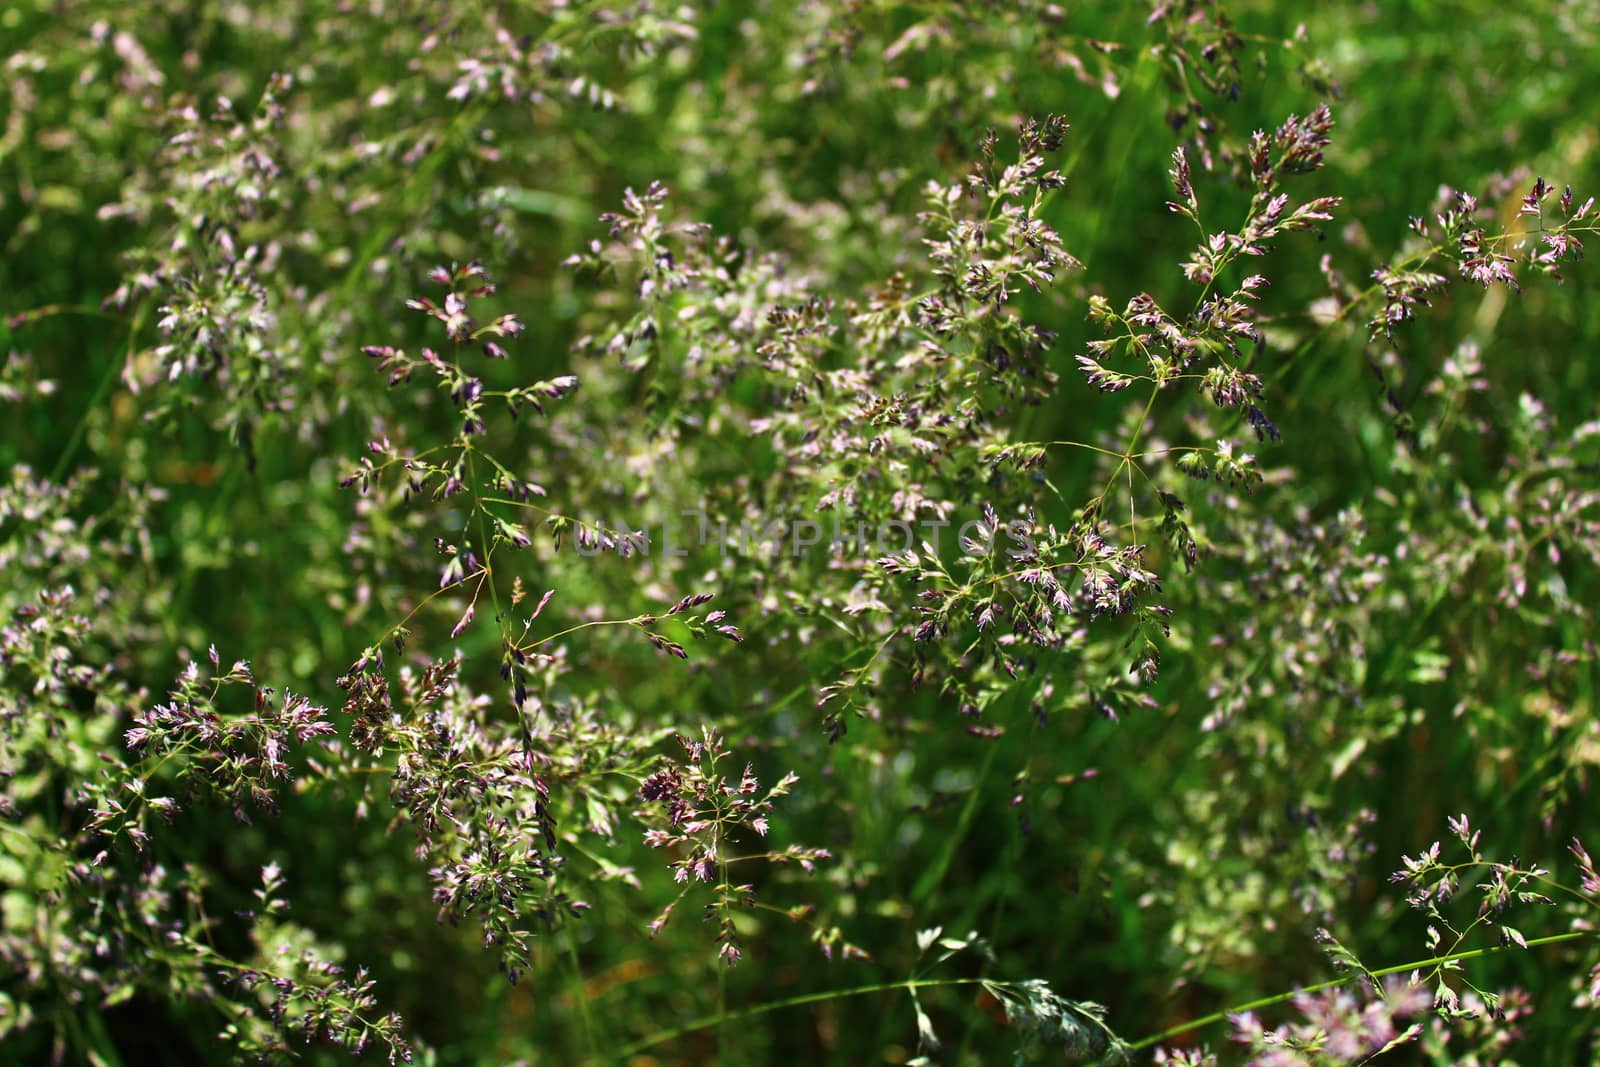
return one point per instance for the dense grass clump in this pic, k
(601, 531)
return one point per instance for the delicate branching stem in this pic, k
(661, 1037)
(1399, 968)
(581, 995)
(581, 626)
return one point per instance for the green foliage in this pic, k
(717, 495)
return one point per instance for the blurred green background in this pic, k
(1190, 871)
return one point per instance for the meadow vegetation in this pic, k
(930, 532)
